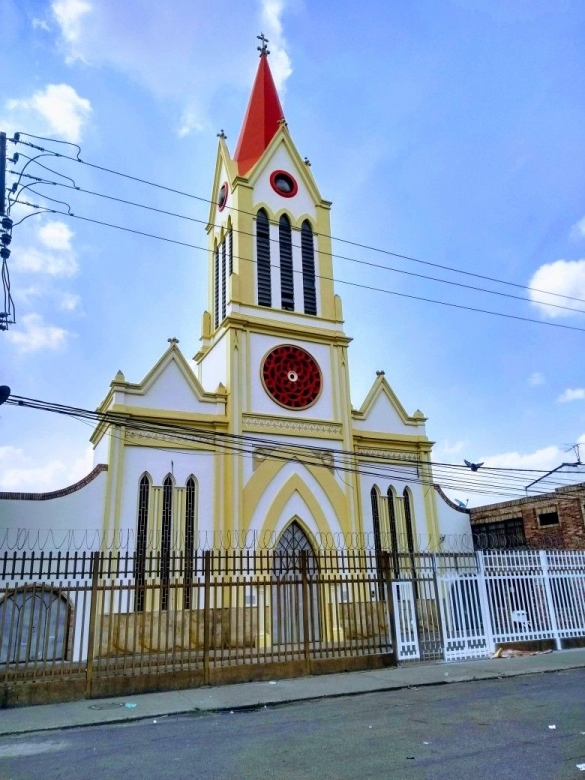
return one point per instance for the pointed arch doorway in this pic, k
(288, 593)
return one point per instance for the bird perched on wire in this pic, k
(473, 466)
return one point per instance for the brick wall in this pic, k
(567, 502)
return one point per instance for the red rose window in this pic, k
(291, 376)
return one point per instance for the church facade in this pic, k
(254, 442)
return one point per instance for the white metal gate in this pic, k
(405, 621)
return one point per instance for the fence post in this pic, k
(439, 607)
(206, 614)
(305, 597)
(390, 603)
(484, 603)
(549, 598)
(95, 573)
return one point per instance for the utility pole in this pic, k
(7, 313)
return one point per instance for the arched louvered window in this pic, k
(408, 520)
(377, 539)
(287, 287)
(392, 521)
(216, 271)
(141, 541)
(165, 541)
(308, 256)
(263, 259)
(230, 239)
(190, 510)
(223, 278)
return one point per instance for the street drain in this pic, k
(108, 705)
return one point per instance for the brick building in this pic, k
(551, 520)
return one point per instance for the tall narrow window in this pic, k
(377, 540)
(308, 255)
(230, 239)
(408, 521)
(263, 258)
(165, 541)
(223, 278)
(216, 286)
(141, 541)
(190, 498)
(393, 532)
(287, 287)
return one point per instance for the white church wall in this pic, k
(301, 203)
(172, 392)
(261, 402)
(213, 367)
(61, 522)
(100, 452)
(158, 463)
(454, 526)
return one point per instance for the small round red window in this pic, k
(283, 183)
(222, 196)
(291, 376)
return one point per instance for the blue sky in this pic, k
(447, 131)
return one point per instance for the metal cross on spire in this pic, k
(264, 48)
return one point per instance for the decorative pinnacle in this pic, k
(380, 373)
(221, 134)
(264, 48)
(173, 341)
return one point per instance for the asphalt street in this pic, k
(526, 728)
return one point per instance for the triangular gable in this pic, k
(302, 170)
(170, 385)
(225, 169)
(382, 411)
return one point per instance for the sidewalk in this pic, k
(91, 712)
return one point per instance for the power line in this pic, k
(252, 214)
(496, 483)
(317, 276)
(40, 181)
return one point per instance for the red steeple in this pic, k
(262, 117)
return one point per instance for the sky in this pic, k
(448, 131)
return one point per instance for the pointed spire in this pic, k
(262, 118)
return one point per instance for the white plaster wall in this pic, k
(213, 367)
(301, 203)
(261, 402)
(100, 452)
(49, 522)
(157, 462)
(455, 526)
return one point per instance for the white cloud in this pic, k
(545, 458)
(22, 473)
(55, 110)
(40, 24)
(69, 301)
(31, 334)
(563, 277)
(69, 15)
(280, 64)
(444, 449)
(536, 379)
(209, 56)
(578, 229)
(55, 255)
(572, 394)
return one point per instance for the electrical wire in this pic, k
(356, 244)
(371, 288)
(40, 181)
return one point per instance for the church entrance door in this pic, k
(288, 623)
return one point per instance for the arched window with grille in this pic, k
(263, 259)
(165, 541)
(408, 520)
(308, 257)
(287, 287)
(190, 534)
(223, 278)
(375, 500)
(141, 540)
(230, 239)
(393, 531)
(216, 283)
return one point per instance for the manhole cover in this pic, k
(107, 705)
